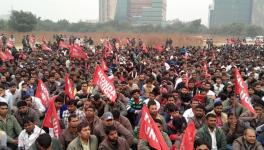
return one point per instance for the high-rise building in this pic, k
(137, 12)
(257, 16)
(147, 11)
(121, 11)
(107, 10)
(224, 12)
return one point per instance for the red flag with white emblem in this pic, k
(103, 82)
(42, 93)
(51, 119)
(188, 137)
(242, 89)
(150, 132)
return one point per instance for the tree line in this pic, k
(21, 21)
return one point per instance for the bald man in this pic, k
(247, 141)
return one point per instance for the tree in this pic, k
(254, 30)
(3, 25)
(22, 21)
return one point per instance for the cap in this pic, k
(107, 116)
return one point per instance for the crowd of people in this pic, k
(178, 85)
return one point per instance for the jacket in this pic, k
(248, 117)
(204, 136)
(240, 127)
(144, 145)
(240, 144)
(11, 127)
(121, 145)
(30, 113)
(238, 110)
(118, 105)
(55, 145)
(96, 120)
(121, 130)
(126, 123)
(77, 145)
(198, 122)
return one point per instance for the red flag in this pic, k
(205, 68)
(51, 119)
(6, 55)
(10, 44)
(69, 90)
(42, 93)
(32, 41)
(78, 52)
(9, 55)
(188, 137)
(102, 81)
(107, 49)
(213, 57)
(242, 89)
(103, 65)
(186, 77)
(63, 45)
(144, 47)
(159, 47)
(44, 40)
(150, 132)
(45, 47)
(3, 56)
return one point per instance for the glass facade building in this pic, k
(224, 12)
(137, 12)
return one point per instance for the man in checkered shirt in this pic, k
(72, 109)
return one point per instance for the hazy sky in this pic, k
(75, 10)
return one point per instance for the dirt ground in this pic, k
(149, 38)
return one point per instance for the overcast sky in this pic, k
(75, 10)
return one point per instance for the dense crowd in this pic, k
(178, 85)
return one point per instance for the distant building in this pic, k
(107, 10)
(223, 12)
(147, 11)
(137, 12)
(121, 11)
(248, 12)
(257, 16)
